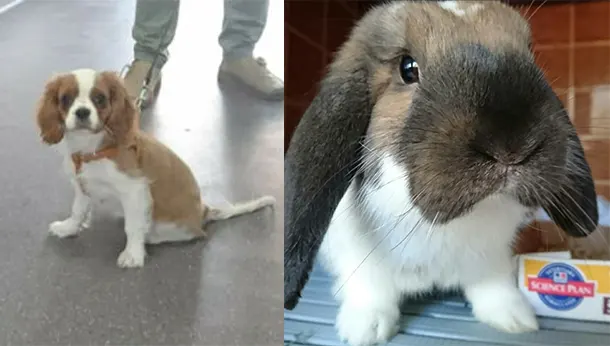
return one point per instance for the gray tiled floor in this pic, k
(226, 291)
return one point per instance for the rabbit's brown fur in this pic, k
(481, 114)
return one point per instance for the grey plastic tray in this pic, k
(434, 321)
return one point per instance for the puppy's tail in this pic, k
(217, 214)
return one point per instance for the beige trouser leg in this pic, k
(154, 28)
(242, 27)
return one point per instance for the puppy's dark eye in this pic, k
(409, 71)
(99, 100)
(66, 101)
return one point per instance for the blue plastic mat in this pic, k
(434, 321)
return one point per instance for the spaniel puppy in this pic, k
(91, 115)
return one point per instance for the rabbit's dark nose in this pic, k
(504, 153)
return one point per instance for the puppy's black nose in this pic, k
(82, 113)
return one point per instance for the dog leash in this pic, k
(145, 90)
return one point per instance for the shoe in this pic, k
(134, 81)
(253, 73)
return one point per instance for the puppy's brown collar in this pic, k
(78, 159)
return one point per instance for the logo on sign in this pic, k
(607, 306)
(561, 286)
(560, 278)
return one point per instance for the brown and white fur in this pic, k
(432, 139)
(158, 193)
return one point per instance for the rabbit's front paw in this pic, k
(503, 308)
(367, 325)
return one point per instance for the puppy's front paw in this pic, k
(65, 228)
(87, 222)
(363, 326)
(131, 257)
(506, 309)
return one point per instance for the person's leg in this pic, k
(153, 31)
(242, 27)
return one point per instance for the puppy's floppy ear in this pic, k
(123, 111)
(320, 164)
(48, 116)
(573, 204)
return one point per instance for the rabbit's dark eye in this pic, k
(409, 71)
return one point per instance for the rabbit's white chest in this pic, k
(386, 234)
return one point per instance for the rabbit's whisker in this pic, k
(417, 224)
(356, 166)
(399, 220)
(368, 255)
(529, 7)
(536, 10)
(431, 229)
(567, 212)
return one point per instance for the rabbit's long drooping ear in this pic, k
(573, 205)
(320, 164)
